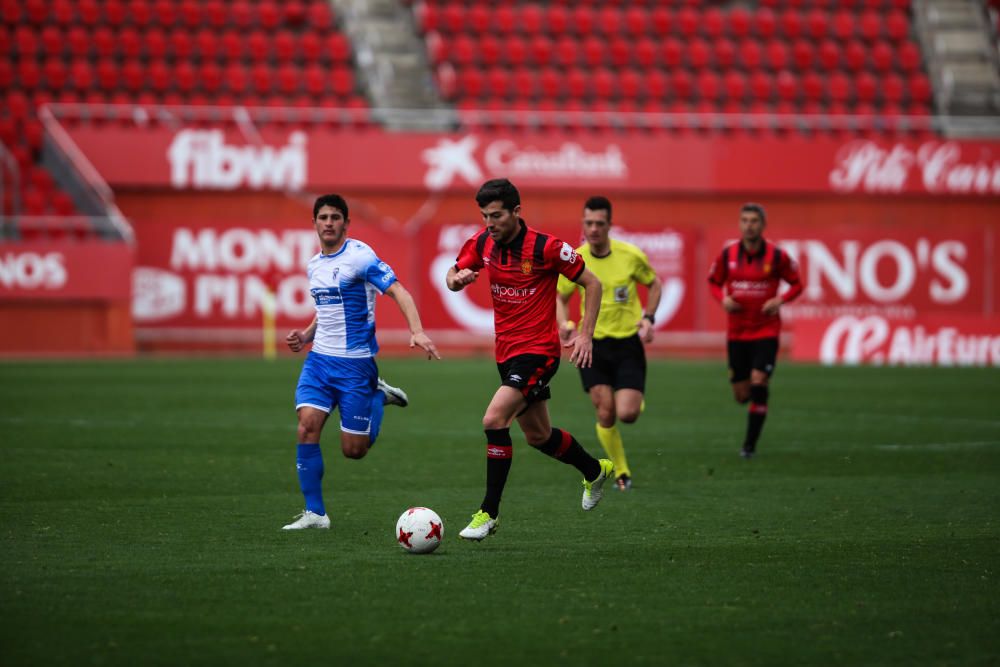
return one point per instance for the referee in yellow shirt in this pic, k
(616, 379)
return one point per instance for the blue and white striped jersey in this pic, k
(344, 286)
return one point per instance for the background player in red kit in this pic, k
(523, 266)
(745, 280)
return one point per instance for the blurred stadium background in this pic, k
(160, 157)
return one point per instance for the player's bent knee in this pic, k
(354, 451)
(628, 417)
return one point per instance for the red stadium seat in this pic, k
(657, 85)
(506, 20)
(787, 85)
(866, 87)
(557, 20)
(776, 55)
(181, 44)
(610, 21)
(490, 50)
(844, 27)
(791, 24)
(463, 50)
(540, 50)
(594, 51)
(682, 85)
(740, 21)
(582, 20)
(258, 46)
(288, 79)
(761, 86)
(26, 41)
(550, 83)
(165, 13)
(320, 16)
(735, 84)
(812, 87)
(566, 51)
(713, 23)
(620, 50)
(577, 83)
(207, 45)
(855, 56)
(525, 83)
(29, 74)
(232, 44)
(160, 76)
(817, 24)
(190, 14)
(530, 20)
(515, 51)
(839, 88)
(631, 84)
(699, 54)
(210, 76)
(604, 83)
(133, 76)
(688, 21)
(479, 18)
(236, 79)
(662, 21)
(750, 54)
(909, 57)
(107, 75)
(765, 23)
(310, 47)
(829, 55)
(636, 21)
(671, 53)
(79, 41)
(920, 89)
(725, 53)
(52, 41)
(892, 89)
(498, 82)
(645, 52)
(268, 15)
(54, 72)
(185, 77)
(709, 86)
(342, 80)
(315, 79)
(115, 12)
(870, 25)
(803, 54)
(284, 46)
(216, 14)
(897, 26)
(428, 15)
(262, 78)
(883, 57)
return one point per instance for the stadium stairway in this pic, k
(963, 62)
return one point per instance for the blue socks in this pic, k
(309, 463)
(378, 409)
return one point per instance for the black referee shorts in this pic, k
(751, 355)
(617, 362)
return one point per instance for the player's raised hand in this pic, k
(426, 344)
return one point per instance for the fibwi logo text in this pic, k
(202, 159)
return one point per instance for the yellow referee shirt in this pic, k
(618, 272)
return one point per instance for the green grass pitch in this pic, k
(141, 503)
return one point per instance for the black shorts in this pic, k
(747, 355)
(617, 362)
(529, 374)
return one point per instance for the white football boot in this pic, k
(308, 520)
(480, 526)
(393, 395)
(594, 491)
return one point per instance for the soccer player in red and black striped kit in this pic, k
(745, 279)
(523, 266)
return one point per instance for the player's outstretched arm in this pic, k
(298, 339)
(406, 305)
(458, 279)
(583, 342)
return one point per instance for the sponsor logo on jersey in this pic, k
(621, 294)
(503, 291)
(326, 296)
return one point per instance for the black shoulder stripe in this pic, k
(776, 264)
(538, 253)
(481, 242)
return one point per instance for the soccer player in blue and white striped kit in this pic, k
(344, 279)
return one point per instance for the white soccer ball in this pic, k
(419, 530)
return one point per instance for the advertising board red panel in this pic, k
(80, 270)
(317, 158)
(927, 340)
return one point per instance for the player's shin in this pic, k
(756, 415)
(564, 447)
(375, 417)
(499, 453)
(309, 463)
(611, 440)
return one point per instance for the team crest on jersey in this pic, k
(526, 266)
(767, 267)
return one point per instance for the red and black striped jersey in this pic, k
(523, 275)
(752, 279)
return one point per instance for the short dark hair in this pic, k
(336, 201)
(751, 207)
(499, 189)
(599, 203)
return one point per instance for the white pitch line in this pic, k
(939, 446)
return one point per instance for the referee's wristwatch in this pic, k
(647, 316)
